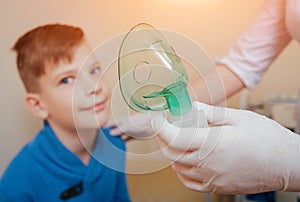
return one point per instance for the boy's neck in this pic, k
(81, 143)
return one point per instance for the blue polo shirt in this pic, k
(45, 170)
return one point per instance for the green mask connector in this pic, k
(177, 98)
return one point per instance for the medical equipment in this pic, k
(152, 78)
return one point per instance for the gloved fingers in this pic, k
(170, 153)
(192, 184)
(116, 131)
(179, 138)
(161, 125)
(188, 158)
(195, 172)
(211, 141)
(189, 171)
(214, 114)
(200, 119)
(221, 115)
(193, 140)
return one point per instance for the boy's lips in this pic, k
(99, 106)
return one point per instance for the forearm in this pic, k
(217, 85)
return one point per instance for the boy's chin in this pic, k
(93, 123)
(102, 120)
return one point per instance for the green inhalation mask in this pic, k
(152, 77)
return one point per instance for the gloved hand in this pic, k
(137, 125)
(242, 152)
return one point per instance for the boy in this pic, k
(65, 90)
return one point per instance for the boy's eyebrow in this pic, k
(96, 63)
(75, 71)
(65, 72)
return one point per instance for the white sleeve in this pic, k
(260, 45)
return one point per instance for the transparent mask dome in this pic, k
(152, 77)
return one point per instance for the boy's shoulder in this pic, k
(23, 160)
(20, 171)
(24, 165)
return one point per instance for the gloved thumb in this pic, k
(219, 115)
(178, 138)
(162, 126)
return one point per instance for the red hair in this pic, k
(49, 44)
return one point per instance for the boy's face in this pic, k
(74, 94)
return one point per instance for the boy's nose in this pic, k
(90, 85)
(94, 89)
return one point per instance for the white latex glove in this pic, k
(137, 125)
(242, 153)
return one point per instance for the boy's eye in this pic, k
(67, 80)
(96, 70)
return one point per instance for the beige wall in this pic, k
(213, 24)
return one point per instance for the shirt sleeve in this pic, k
(13, 184)
(260, 45)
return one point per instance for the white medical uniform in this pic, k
(275, 26)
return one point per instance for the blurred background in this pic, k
(212, 24)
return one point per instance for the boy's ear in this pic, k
(35, 105)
